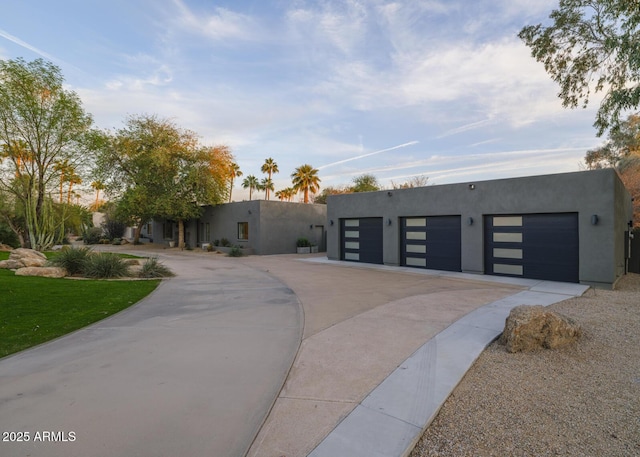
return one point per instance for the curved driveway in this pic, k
(191, 370)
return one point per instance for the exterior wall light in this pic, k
(331, 222)
(388, 221)
(389, 193)
(470, 221)
(472, 186)
(594, 219)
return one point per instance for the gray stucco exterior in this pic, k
(273, 226)
(600, 192)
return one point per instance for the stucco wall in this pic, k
(274, 226)
(597, 192)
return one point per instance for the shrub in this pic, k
(216, 242)
(225, 243)
(235, 252)
(303, 243)
(8, 237)
(92, 235)
(116, 242)
(105, 265)
(72, 259)
(152, 268)
(114, 228)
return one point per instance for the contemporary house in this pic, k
(570, 227)
(261, 227)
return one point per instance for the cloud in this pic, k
(444, 169)
(362, 156)
(221, 24)
(25, 45)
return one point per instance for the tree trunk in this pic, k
(136, 232)
(181, 234)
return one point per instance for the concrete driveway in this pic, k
(191, 370)
(266, 356)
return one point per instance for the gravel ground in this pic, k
(582, 400)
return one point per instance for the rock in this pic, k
(533, 327)
(23, 257)
(5, 247)
(45, 272)
(24, 252)
(11, 264)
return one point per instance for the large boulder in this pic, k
(22, 257)
(45, 272)
(529, 328)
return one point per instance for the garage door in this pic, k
(431, 242)
(361, 239)
(536, 246)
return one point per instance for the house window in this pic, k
(243, 230)
(207, 232)
(149, 229)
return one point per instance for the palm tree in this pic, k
(305, 179)
(234, 172)
(280, 195)
(250, 182)
(289, 193)
(98, 186)
(269, 167)
(72, 179)
(64, 168)
(267, 185)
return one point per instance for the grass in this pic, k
(35, 310)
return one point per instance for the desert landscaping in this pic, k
(579, 400)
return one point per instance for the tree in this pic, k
(267, 185)
(622, 152)
(365, 183)
(592, 45)
(63, 168)
(269, 167)
(327, 191)
(286, 194)
(251, 183)
(72, 179)
(159, 170)
(234, 172)
(97, 186)
(416, 181)
(41, 124)
(305, 179)
(289, 193)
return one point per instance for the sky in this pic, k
(397, 89)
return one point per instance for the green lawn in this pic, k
(34, 310)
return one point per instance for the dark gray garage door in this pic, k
(361, 239)
(536, 246)
(431, 242)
